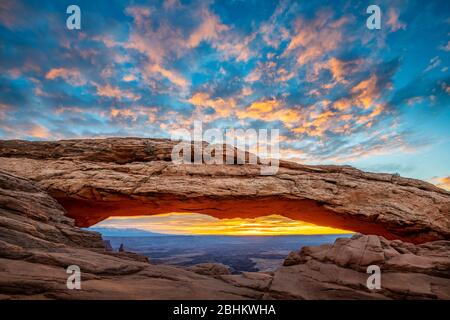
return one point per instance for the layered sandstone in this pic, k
(38, 242)
(98, 178)
(408, 271)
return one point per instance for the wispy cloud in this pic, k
(72, 76)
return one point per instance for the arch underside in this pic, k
(89, 212)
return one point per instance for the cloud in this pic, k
(442, 182)
(316, 37)
(13, 14)
(129, 77)
(140, 14)
(3, 111)
(209, 29)
(446, 47)
(254, 75)
(235, 47)
(172, 76)
(133, 113)
(171, 4)
(222, 108)
(393, 21)
(110, 91)
(38, 131)
(366, 92)
(434, 63)
(314, 72)
(316, 123)
(340, 69)
(270, 110)
(71, 75)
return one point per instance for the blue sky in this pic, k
(339, 92)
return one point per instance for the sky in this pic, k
(338, 92)
(200, 224)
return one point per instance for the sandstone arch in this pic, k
(97, 178)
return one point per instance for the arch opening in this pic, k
(87, 213)
(210, 244)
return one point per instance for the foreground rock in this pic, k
(95, 179)
(210, 269)
(38, 242)
(339, 270)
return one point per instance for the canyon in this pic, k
(48, 190)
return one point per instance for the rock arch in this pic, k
(97, 178)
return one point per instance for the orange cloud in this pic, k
(339, 69)
(366, 92)
(71, 76)
(263, 106)
(123, 112)
(269, 110)
(316, 37)
(129, 77)
(115, 92)
(223, 108)
(339, 116)
(38, 131)
(343, 104)
(316, 123)
(134, 113)
(443, 182)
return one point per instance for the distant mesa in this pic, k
(125, 232)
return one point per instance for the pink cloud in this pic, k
(393, 20)
(172, 76)
(39, 131)
(208, 30)
(116, 92)
(3, 111)
(315, 38)
(72, 76)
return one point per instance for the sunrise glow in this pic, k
(200, 224)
